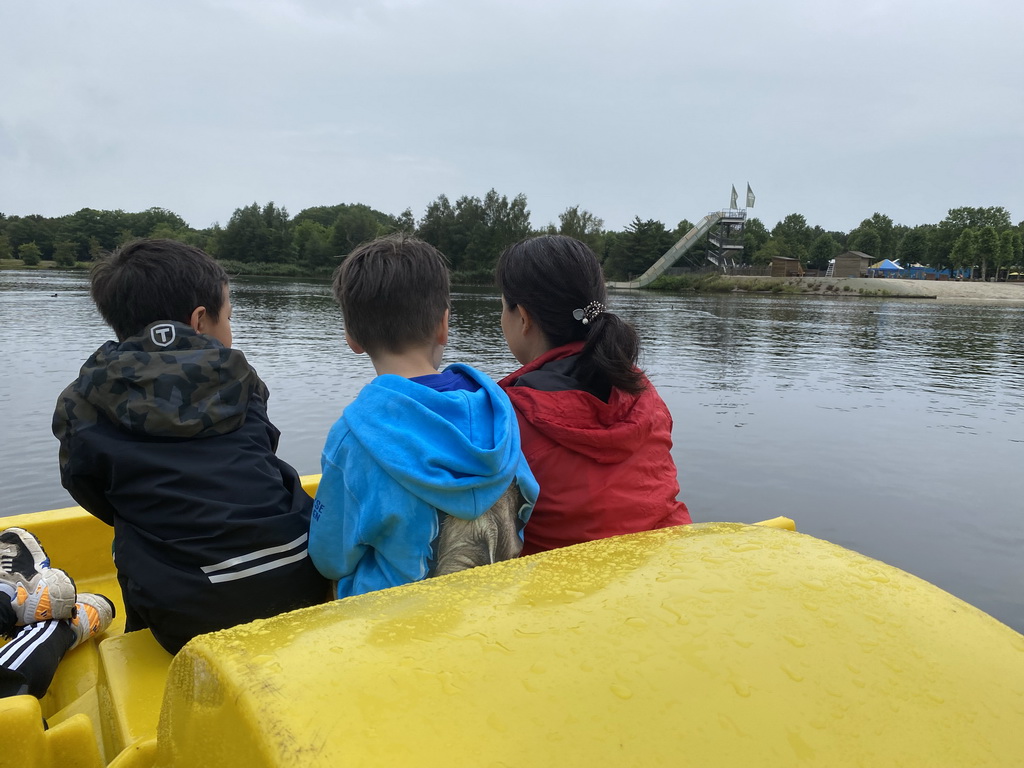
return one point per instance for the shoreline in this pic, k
(945, 290)
(854, 287)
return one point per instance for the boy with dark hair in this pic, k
(165, 436)
(422, 474)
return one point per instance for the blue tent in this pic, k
(884, 268)
(887, 266)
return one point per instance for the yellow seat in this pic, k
(69, 744)
(133, 671)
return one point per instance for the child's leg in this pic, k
(38, 592)
(29, 661)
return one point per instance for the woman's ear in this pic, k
(525, 319)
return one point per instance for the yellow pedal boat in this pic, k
(711, 644)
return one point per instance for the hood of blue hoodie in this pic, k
(458, 451)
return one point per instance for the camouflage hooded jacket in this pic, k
(166, 437)
(168, 382)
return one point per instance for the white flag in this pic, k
(733, 200)
(750, 196)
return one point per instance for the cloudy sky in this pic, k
(830, 108)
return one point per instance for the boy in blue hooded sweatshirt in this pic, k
(422, 474)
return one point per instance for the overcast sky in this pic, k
(833, 109)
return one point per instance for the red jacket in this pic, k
(603, 468)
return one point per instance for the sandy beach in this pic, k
(952, 291)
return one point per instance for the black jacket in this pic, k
(172, 446)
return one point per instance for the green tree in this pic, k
(794, 230)
(31, 229)
(866, 240)
(794, 239)
(92, 231)
(354, 225)
(64, 254)
(962, 255)
(472, 232)
(324, 215)
(684, 226)
(96, 249)
(755, 235)
(1004, 256)
(166, 230)
(823, 250)
(257, 234)
(637, 248)
(438, 225)
(151, 221)
(508, 221)
(30, 253)
(987, 248)
(313, 244)
(1017, 258)
(583, 225)
(883, 226)
(975, 218)
(5, 247)
(913, 247)
(776, 247)
(942, 238)
(406, 222)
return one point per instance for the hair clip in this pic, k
(591, 311)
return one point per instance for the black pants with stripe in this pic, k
(29, 662)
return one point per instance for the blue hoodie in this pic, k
(400, 454)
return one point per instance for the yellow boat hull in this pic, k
(713, 644)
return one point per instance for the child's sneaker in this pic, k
(21, 554)
(49, 595)
(95, 612)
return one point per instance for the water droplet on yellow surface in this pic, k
(793, 675)
(815, 584)
(497, 723)
(621, 691)
(741, 686)
(747, 547)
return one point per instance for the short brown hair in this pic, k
(148, 280)
(393, 293)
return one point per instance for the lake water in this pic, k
(892, 427)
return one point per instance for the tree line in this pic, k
(976, 240)
(472, 231)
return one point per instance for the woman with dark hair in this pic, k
(594, 430)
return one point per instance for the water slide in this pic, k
(671, 256)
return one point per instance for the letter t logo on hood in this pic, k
(162, 335)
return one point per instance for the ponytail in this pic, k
(610, 354)
(553, 276)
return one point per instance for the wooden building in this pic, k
(851, 264)
(784, 266)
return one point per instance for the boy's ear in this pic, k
(198, 319)
(442, 329)
(354, 345)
